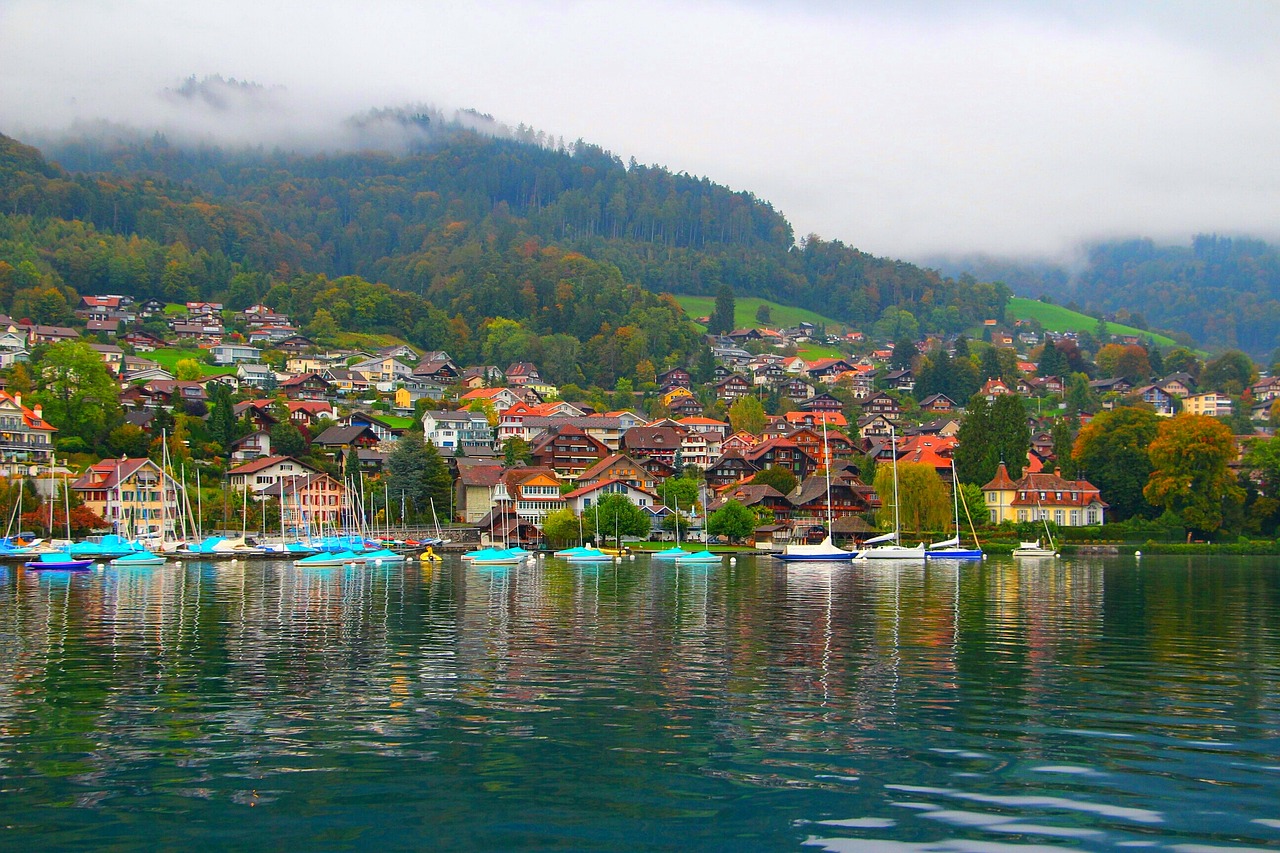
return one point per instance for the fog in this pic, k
(905, 128)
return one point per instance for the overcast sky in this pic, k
(903, 128)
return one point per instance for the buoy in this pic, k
(733, 561)
(631, 557)
(1138, 554)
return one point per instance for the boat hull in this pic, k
(954, 554)
(60, 566)
(892, 552)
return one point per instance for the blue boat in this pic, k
(382, 557)
(676, 553)
(700, 557)
(58, 561)
(327, 560)
(589, 555)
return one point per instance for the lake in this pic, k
(1081, 703)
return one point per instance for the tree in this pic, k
(1052, 361)
(287, 439)
(775, 475)
(561, 527)
(895, 324)
(904, 350)
(187, 370)
(924, 502)
(516, 451)
(323, 328)
(221, 424)
(1230, 373)
(616, 515)
(992, 433)
(128, 440)
(77, 392)
(1263, 459)
(1111, 452)
(1190, 457)
(1183, 360)
(721, 321)
(764, 315)
(1079, 395)
(679, 493)
(747, 415)
(1063, 434)
(733, 520)
(415, 469)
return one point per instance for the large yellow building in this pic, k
(1067, 503)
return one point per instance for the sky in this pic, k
(905, 128)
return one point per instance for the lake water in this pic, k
(1079, 704)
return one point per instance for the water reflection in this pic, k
(941, 705)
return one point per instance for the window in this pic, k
(1022, 515)
(1058, 517)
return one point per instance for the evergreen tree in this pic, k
(1052, 361)
(904, 350)
(721, 322)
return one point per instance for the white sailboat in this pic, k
(1035, 549)
(950, 549)
(826, 550)
(889, 546)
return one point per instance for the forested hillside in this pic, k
(568, 242)
(1222, 292)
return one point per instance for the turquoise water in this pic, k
(1071, 704)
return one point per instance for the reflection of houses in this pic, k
(128, 494)
(1067, 503)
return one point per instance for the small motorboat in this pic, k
(58, 561)
(140, 558)
(700, 557)
(382, 557)
(325, 560)
(825, 551)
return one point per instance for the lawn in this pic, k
(744, 312)
(168, 358)
(1055, 318)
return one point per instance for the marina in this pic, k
(1078, 703)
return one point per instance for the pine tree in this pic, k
(721, 322)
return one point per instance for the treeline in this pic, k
(412, 220)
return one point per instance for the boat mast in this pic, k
(893, 447)
(826, 462)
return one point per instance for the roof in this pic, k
(1001, 481)
(595, 487)
(110, 472)
(265, 462)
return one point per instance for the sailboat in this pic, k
(62, 560)
(1035, 549)
(949, 549)
(826, 550)
(888, 546)
(677, 552)
(504, 556)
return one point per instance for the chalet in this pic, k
(938, 404)
(26, 438)
(826, 369)
(535, 493)
(731, 355)
(1067, 503)
(797, 390)
(204, 310)
(500, 399)
(741, 336)
(1182, 384)
(732, 388)
(402, 352)
(715, 430)
(740, 441)
(686, 406)
(522, 373)
(295, 344)
(993, 388)
(815, 420)
(932, 450)
(849, 496)
(901, 380)
(676, 377)
(812, 442)
(767, 374)
(112, 356)
(437, 367)
(109, 327)
(256, 375)
(382, 429)
(258, 475)
(383, 369)
(40, 334)
(754, 497)
(874, 425)
(882, 404)
(412, 390)
(346, 381)
(474, 489)
(663, 443)
(731, 467)
(568, 450)
(620, 467)
(938, 426)
(1118, 384)
(1158, 398)
(281, 336)
(135, 496)
(252, 446)
(784, 453)
(583, 498)
(453, 432)
(822, 403)
(308, 386)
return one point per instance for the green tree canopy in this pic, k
(77, 392)
(747, 415)
(924, 501)
(733, 520)
(780, 478)
(1190, 457)
(616, 516)
(721, 321)
(1111, 452)
(416, 471)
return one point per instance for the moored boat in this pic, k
(140, 558)
(701, 557)
(59, 561)
(1033, 549)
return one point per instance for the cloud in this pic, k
(904, 128)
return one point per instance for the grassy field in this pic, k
(744, 312)
(1055, 318)
(168, 358)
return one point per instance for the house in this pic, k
(346, 381)
(754, 497)
(882, 404)
(797, 390)
(402, 352)
(235, 354)
(993, 388)
(384, 369)
(1264, 390)
(619, 467)
(1212, 403)
(259, 376)
(309, 502)
(26, 438)
(849, 496)
(383, 430)
(135, 496)
(535, 493)
(1158, 398)
(1118, 384)
(412, 390)
(308, 386)
(663, 443)
(901, 380)
(583, 498)
(874, 426)
(817, 445)
(732, 388)
(731, 467)
(522, 373)
(258, 475)
(474, 490)
(143, 341)
(676, 377)
(437, 367)
(938, 404)
(826, 369)
(784, 453)
(1037, 496)
(452, 432)
(713, 429)
(500, 399)
(568, 450)
(822, 403)
(252, 446)
(339, 440)
(686, 406)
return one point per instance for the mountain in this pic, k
(469, 225)
(1223, 292)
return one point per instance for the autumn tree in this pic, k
(1230, 373)
(924, 502)
(747, 415)
(1190, 457)
(1111, 451)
